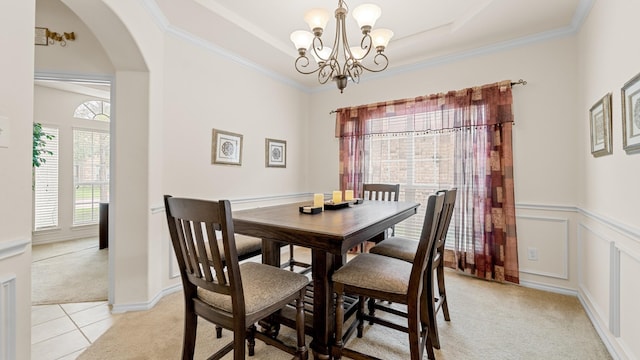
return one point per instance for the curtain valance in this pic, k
(477, 106)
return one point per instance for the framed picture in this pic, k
(631, 115)
(275, 153)
(41, 36)
(227, 148)
(600, 120)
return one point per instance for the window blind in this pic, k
(422, 162)
(46, 185)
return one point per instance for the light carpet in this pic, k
(69, 272)
(488, 321)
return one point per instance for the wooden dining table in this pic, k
(329, 234)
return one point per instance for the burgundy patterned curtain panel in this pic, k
(482, 237)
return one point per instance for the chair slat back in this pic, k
(445, 217)
(192, 226)
(383, 192)
(426, 242)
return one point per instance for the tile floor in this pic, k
(63, 331)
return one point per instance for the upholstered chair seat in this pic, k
(263, 286)
(379, 272)
(397, 247)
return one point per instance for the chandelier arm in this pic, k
(366, 45)
(327, 71)
(301, 63)
(354, 72)
(323, 77)
(317, 46)
(384, 61)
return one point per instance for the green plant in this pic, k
(39, 144)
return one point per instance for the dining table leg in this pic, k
(323, 310)
(271, 252)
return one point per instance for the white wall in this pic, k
(609, 231)
(16, 104)
(208, 91)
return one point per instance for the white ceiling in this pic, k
(425, 31)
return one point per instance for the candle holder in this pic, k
(310, 209)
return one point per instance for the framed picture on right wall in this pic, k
(600, 121)
(631, 115)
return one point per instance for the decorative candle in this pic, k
(318, 200)
(348, 195)
(337, 196)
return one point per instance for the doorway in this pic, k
(66, 212)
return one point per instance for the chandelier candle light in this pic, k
(341, 63)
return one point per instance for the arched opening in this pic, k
(128, 210)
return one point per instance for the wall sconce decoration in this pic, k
(45, 37)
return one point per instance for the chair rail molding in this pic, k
(624, 229)
(248, 200)
(13, 247)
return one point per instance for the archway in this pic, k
(128, 209)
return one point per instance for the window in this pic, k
(90, 174)
(90, 164)
(94, 110)
(421, 162)
(46, 185)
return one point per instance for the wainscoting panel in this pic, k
(594, 281)
(8, 317)
(548, 238)
(629, 289)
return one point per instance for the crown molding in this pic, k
(579, 17)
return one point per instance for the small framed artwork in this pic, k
(600, 121)
(631, 115)
(275, 153)
(226, 148)
(41, 36)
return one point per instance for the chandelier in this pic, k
(341, 62)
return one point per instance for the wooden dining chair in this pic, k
(384, 192)
(223, 291)
(380, 192)
(405, 249)
(246, 246)
(390, 279)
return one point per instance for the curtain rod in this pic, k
(519, 82)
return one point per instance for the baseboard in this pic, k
(122, 308)
(602, 332)
(548, 288)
